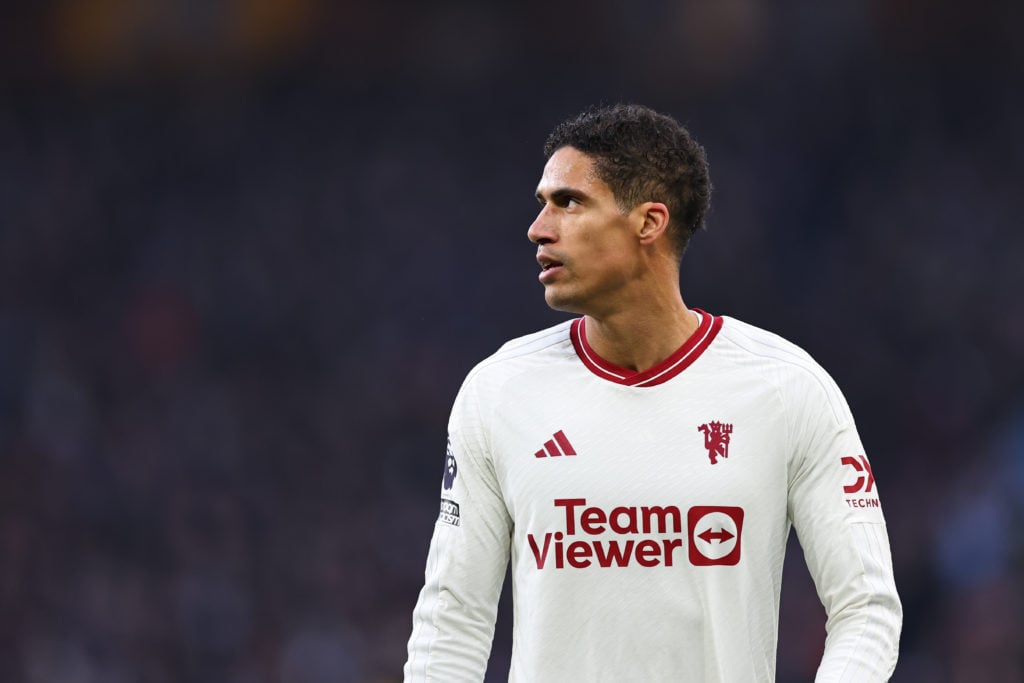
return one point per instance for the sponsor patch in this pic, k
(449, 512)
(860, 493)
(644, 535)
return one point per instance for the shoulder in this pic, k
(755, 344)
(793, 371)
(524, 354)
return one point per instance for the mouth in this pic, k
(548, 267)
(547, 263)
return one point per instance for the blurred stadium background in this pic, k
(249, 249)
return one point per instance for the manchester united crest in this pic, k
(716, 439)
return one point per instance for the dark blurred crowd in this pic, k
(248, 251)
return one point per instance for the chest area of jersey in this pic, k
(622, 479)
(617, 446)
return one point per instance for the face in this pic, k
(587, 246)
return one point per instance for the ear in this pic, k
(655, 219)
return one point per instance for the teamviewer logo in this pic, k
(714, 535)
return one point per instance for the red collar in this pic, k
(681, 359)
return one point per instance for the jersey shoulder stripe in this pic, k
(780, 361)
(527, 351)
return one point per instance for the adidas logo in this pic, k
(556, 446)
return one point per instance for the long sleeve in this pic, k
(836, 511)
(453, 621)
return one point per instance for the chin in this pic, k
(561, 302)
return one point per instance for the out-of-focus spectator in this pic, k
(248, 249)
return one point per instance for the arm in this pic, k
(453, 621)
(835, 509)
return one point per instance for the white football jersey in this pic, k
(646, 515)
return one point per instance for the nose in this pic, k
(541, 230)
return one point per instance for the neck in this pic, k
(639, 338)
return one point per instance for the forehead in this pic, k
(569, 168)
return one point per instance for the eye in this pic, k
(562, 200)
(567, 201)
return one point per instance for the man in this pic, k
(642, 464)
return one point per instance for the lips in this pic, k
(548, 266)
(547, 263)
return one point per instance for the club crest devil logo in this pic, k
(716, 439)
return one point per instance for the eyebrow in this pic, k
(562, 193)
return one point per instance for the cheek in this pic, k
(600, 243)
(607, 263)
(613, 250)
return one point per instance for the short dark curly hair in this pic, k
(643, 156)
